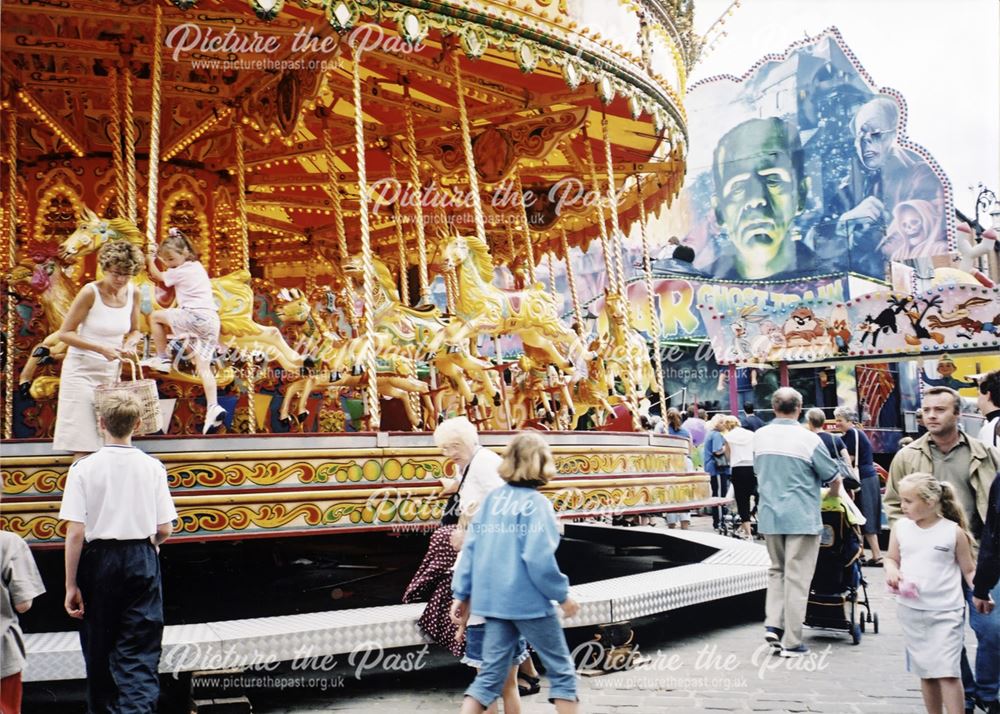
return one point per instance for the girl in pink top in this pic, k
(195, 320)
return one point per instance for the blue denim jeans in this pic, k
(985, 682)
(500, 643)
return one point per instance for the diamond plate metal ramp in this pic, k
(717, 567)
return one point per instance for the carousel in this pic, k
(395, 202)
(392, 200)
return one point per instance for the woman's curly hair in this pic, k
(120, 256)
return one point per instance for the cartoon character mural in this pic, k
(952, 317)
(945, 369)
(802, 167)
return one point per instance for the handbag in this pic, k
(144, 391)
(855, 475)
(848, 474)
(845, 471)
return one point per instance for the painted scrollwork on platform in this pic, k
(209, 475)
(19, 481)
(384, 507)
(35, 529)
(587, 464)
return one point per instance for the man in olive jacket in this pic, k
(969, 466)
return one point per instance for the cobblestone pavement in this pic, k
(708, 658)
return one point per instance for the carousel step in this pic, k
(727, 567)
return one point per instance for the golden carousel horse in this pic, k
(239, 334)
(593, 390)
(425, 334)
(340, 362)
(325, 347)
(531, 314)
(627, 355)
(50, 279)
(531, 393)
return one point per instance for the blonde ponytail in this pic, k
(950, 507)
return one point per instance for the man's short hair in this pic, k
(990, 386)
(955, 397)
(748, 407)
(816, 417)
(786, 400)
(684, 253)
(120, 414)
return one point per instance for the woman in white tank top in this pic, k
(102, 323)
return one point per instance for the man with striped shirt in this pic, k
(791, 464)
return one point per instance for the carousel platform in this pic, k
(719, 568)
(274, 485)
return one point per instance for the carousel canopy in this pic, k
(557, 95)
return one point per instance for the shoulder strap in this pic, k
(856, 457)
(466, 472)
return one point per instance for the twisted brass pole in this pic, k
(152, 203)
(117, 153)
(368, 289)
(418, 208)
(654, 315)
(10, 232)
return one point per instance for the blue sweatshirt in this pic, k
(508, 562)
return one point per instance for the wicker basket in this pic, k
(145, 392)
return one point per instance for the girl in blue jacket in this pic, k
(508, 568)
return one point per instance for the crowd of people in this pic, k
(490, 575)
(940, 502)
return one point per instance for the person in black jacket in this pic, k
(988, 566)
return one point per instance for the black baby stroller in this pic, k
(833, 595)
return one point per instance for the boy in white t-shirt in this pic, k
(119, 511)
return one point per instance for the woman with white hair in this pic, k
(477, 467)
(459, 441)
(860, 451)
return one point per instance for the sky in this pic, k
(944, 57)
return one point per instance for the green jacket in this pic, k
(984, 462)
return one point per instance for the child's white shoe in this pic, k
(213, 417)
(160, 364)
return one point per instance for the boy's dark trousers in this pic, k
(122, 625)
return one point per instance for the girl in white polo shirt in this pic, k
(929, 554)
